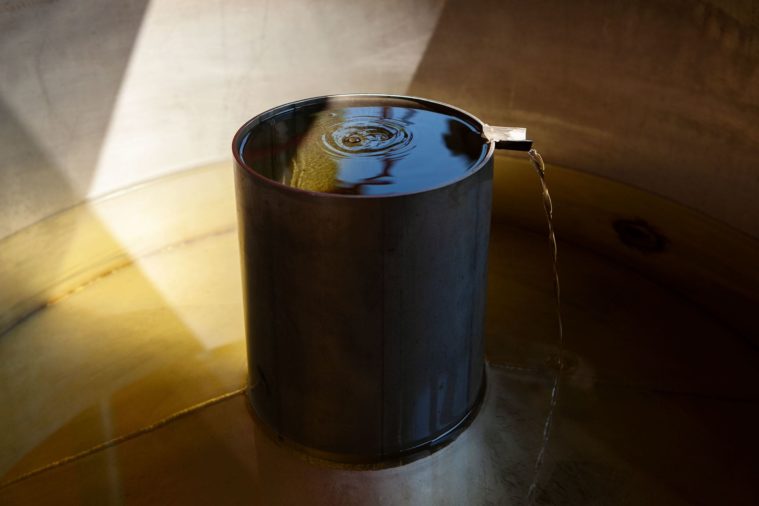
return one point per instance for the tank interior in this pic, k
(122, 343)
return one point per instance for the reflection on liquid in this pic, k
(364, 150)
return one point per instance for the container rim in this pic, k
(249, 125)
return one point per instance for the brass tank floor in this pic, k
(122, 362)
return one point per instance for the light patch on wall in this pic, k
(200, 69)
(62, 66)
(181, 234)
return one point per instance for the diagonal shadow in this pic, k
(84, 380)
(62, 68)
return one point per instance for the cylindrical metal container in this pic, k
(364, 314)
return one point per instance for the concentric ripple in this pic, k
(367, 136)
(371, 147)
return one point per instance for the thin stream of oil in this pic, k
(537, 163)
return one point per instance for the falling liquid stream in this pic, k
(537, 163)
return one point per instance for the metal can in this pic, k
(364, 313)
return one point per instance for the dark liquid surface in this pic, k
(364, 149)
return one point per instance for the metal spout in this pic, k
(513, 138)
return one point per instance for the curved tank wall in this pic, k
(122, 362)
(661, 95)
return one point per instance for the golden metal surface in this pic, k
(125, 312)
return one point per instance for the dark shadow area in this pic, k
(30, 183)
(660, 95)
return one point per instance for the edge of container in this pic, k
(291, 106)
(359, 462)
